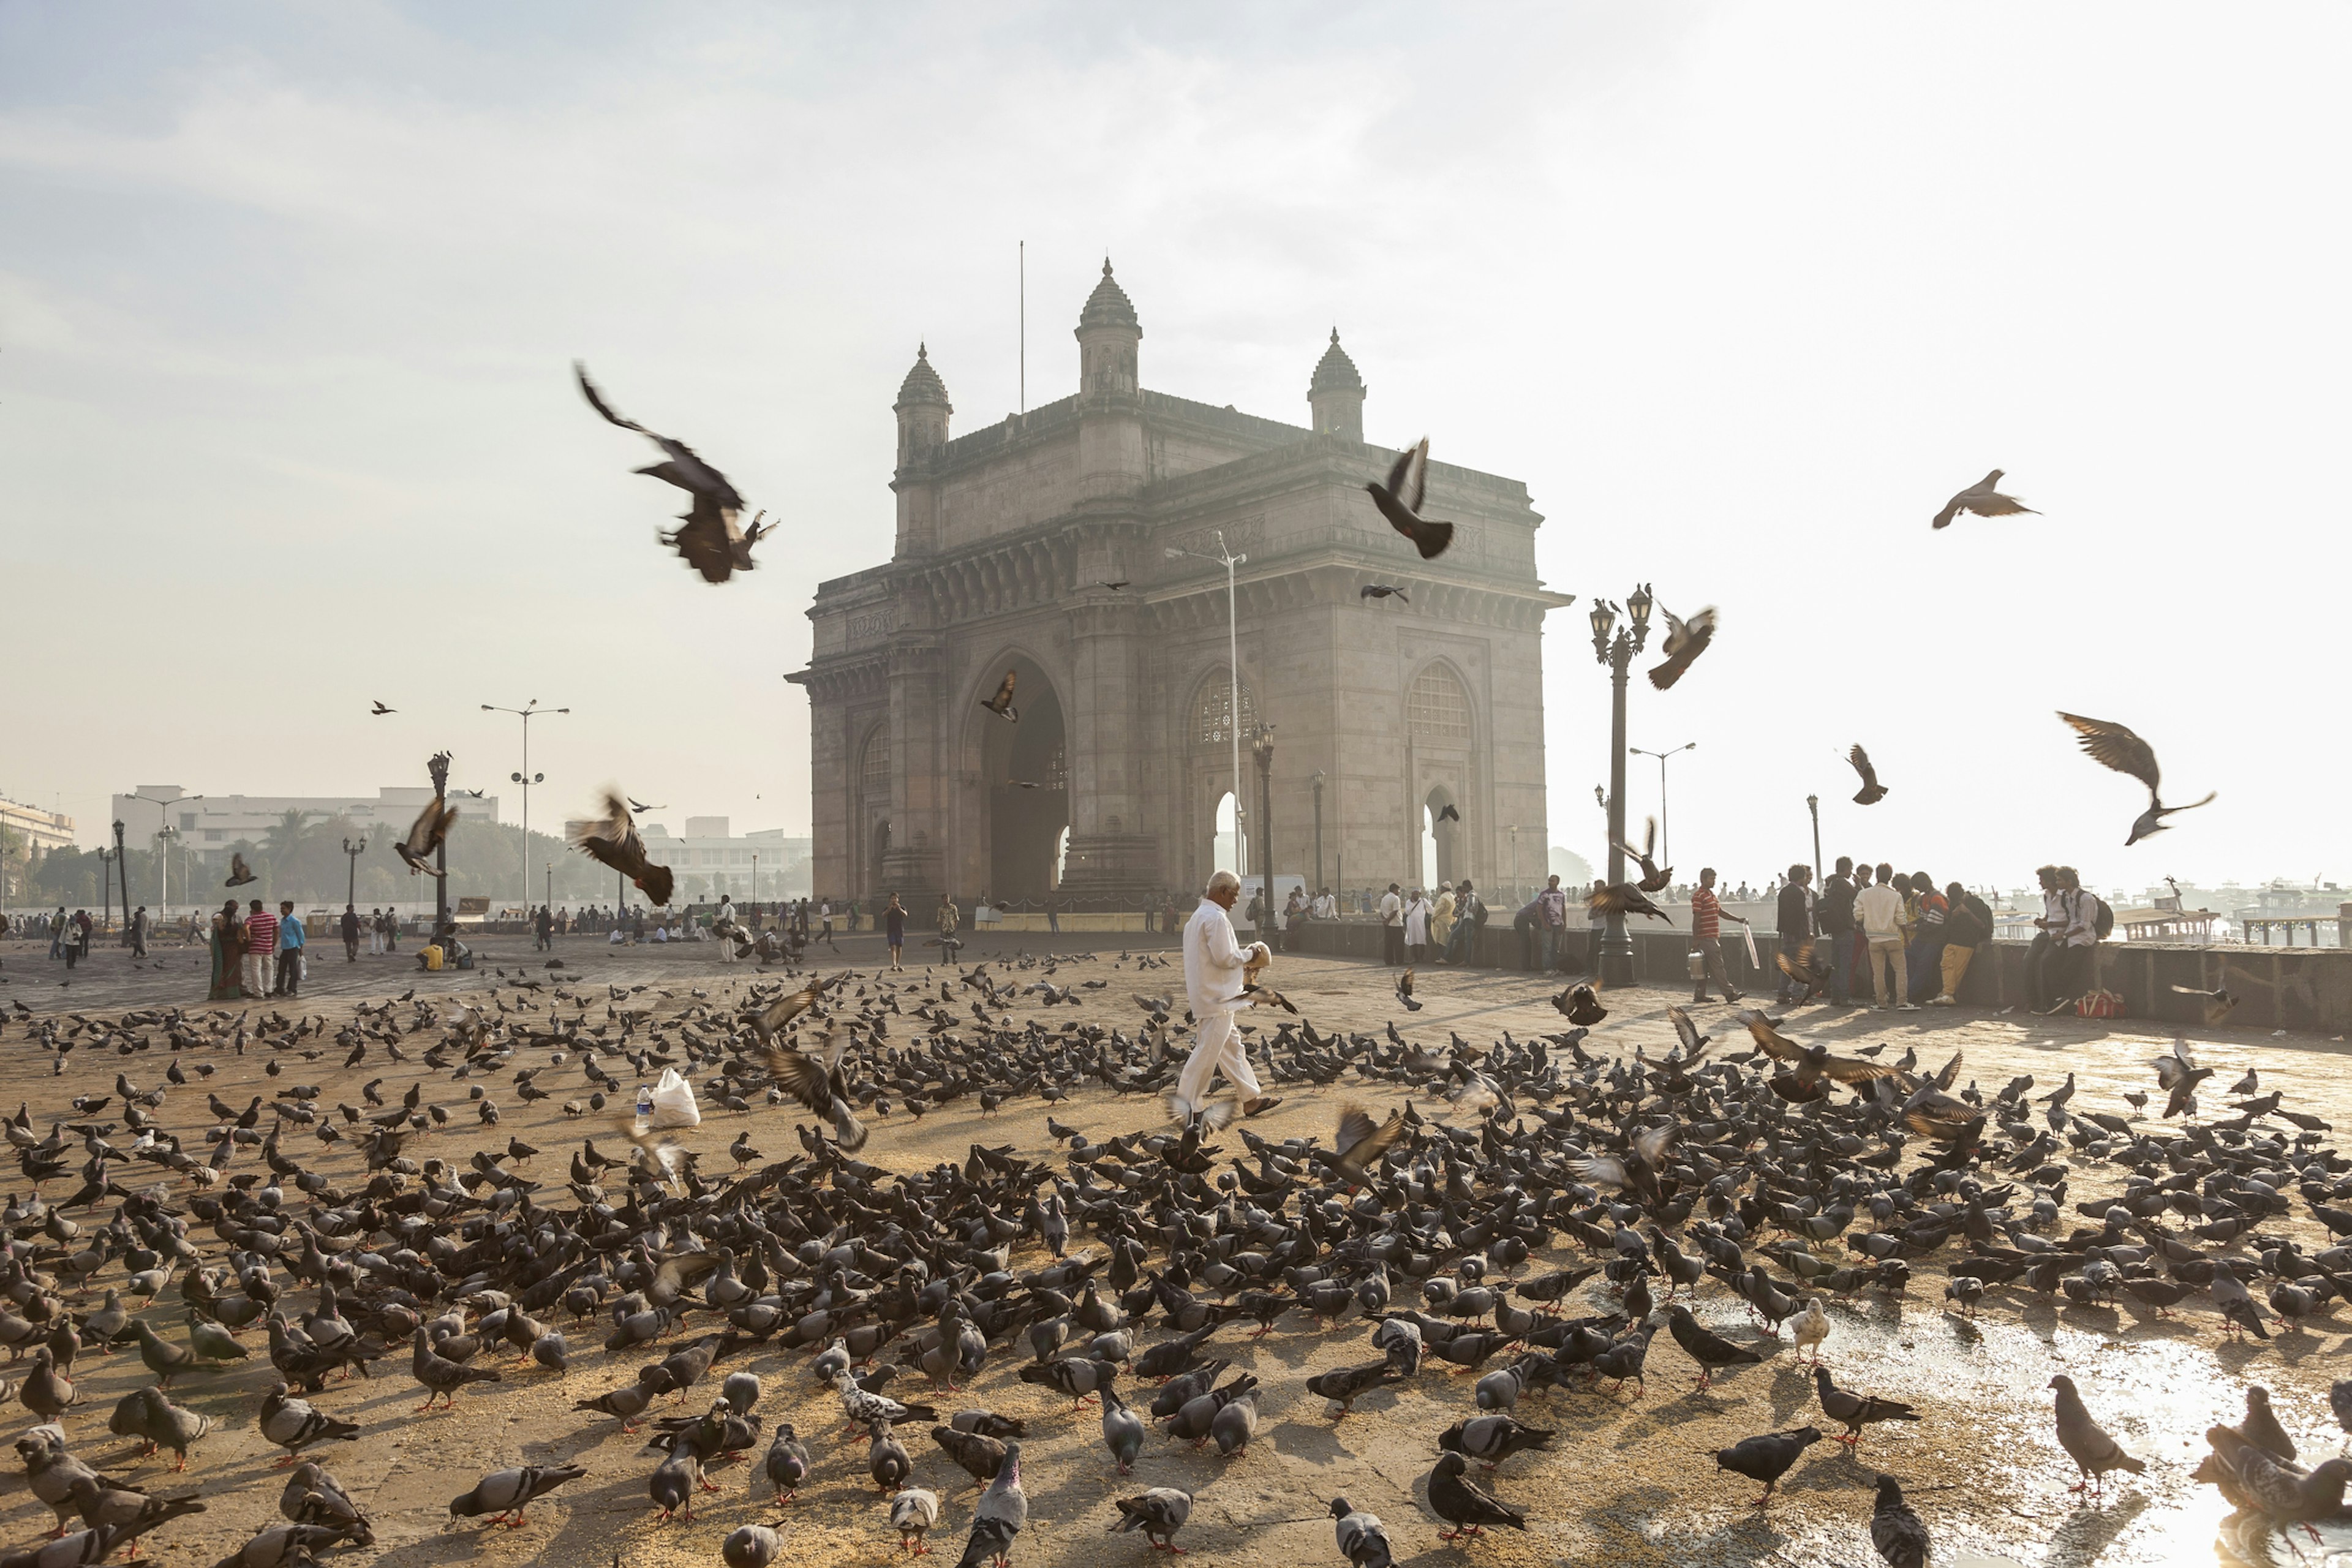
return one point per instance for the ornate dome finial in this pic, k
(1108, 305)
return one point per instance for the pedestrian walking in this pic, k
(1707, 915)
(291, 939)
(1879, 908)
(1214, 960)
(1392, 912)
(260, 948)
(139, 933)
(951, 921)
(349, 928)
(824, 917)
(1417, 912)
(227, 943)
(542, 927)
(1553, 903)
(894, 920)
(58, 934)
(1794, 915)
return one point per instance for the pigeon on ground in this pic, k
(1856, 1410)
(913, 1512)
(2085, 1442)
(1362, 1539)
(1768, 1457)
(1464, 1504)
(504, 1492)
(1159, 1513)
(1897, 1532)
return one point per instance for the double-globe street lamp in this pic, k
(164, 831)
(1665, 835)
(1613, 647)
(526, 778)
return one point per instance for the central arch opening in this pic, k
(1438, 856)
(1224, 851)
(1028, 784)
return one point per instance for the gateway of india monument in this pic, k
(1041, 545)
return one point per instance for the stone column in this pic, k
(915, 867)
(1111, 853)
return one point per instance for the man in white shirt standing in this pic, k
(1878, 909)
(1392, 927)
(1212, 984)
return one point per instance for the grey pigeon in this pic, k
(787, 1464)
(1894, 1529)
(752, 1546)
(1767, 1458)
(1491, 1439)
(504, 1492)
(913, 1512)
(1159, 1513)
(1466, 1505)
(314, 1497)
(1122, 1430)
(292, 1424)
(2093, 1452)
(1362, 1539)
(998, 1517)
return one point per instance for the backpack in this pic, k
(2104, 921)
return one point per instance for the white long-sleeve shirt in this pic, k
(1213, 961)
(1879, 909)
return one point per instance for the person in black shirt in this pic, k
(1834, 915)
(1794, 917)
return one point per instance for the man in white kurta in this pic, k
(1212, 984)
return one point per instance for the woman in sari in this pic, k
(229, 949)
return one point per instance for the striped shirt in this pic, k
(261, 932)
(1707, 914)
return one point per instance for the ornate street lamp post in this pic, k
(1615, 653)
(1813, 805)
(1262, 748)
(439, 768)
(351, 882)
(1319, 883)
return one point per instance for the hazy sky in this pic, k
(288, 296)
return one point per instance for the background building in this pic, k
(1039, 546)
(36, 831)
(708, 860)
(208, 825)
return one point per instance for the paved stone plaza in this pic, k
(1631, 1479)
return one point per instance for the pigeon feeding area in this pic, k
(1484, 1286)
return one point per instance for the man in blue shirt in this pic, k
(290, 938)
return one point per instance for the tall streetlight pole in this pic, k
(162, 826)
(1813, 805)
(166, 837)
(1319, 883)
(439, 768)
(1616, 655)
(351, 882)
(1228, 560)
(107, 861)
(1665, 836)
(122, 871)
(526, 778)
(1261, 747)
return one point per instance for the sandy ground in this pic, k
(1631, 1479)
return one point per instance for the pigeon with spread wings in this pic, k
(425, 836)
(2120, 749)
(1623, 898)
(1685, 641)
(377, 710)
(1813, 1063)
(1872, 792)
(1983, 499)
(1002, 704)
(1399, 501)
(819, 1086)
(612, 840)
(1653, 879)
(1362, 1143)
(239, 873)
(713, 541)
(1635, 1169)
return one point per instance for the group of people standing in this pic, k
(256, 954)
(1895, 934)
(1416, 929)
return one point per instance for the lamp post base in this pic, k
(1617, 960)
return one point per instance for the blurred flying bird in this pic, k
(2120, 749)
(1002, 704)
(378, 710)
(425, 836)
(1982, 500)
(238, 875)
(612, 840)
(713, 541)
(1685, 641)
(1382, 591)
(1872, 791)
(1399, 501)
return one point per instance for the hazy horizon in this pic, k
(291, 297)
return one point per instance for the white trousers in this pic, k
(1219, 1050)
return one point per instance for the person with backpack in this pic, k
(1924, 957)
(1968, 925)
(2073, 955)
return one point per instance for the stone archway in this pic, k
(1025, 779)
(1440, 838)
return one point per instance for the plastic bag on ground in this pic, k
(674, 1102)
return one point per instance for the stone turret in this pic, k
(923, 411)
(1107, 334)
(1110, 402)
(1337, 394)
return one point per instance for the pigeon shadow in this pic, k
(2084, 1536)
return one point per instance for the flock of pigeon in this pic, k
(1551, 1208)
